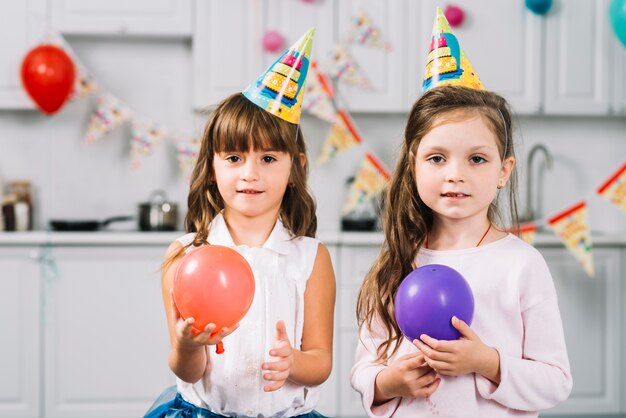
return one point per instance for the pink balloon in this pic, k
(455, 15)
(273, 41)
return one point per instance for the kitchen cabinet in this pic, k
(105, 340)
(577, 58)
(90, 341)
(619, 78)
(20, 324)
(22, 27)
(590, 308)
(227, 41)
(119, 17)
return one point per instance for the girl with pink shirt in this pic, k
(443, 204)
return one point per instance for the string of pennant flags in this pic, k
(447, 64)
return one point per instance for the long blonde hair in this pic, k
(407, 219)
(238, 125)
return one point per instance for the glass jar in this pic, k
(21, 194)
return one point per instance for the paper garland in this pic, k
(614, 189)
(343, 135)
(319, 95)
(371, 178)
(572, 227)
(109, 114)
(145, 136)
(187, 149)
(343, 68)
(363, 32)
(527, 233)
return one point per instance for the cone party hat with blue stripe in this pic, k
(447, 63)
(280, 89)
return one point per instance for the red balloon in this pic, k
(213, 284)
(48, 76)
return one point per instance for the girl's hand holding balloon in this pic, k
(280, 368)
(459, 357)
(407, 376)
(189, 338)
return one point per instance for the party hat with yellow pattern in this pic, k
(447, 63)
(280, 89)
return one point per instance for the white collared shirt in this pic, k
(233, 382)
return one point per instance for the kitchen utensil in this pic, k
(85, 225)
(158, 214)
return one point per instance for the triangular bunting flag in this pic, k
(109, 113)
(187, 149)
(614, 189)
(319, 96)
(572, 227)
(343, 68)
(146, 135)
(527, 233)
(370, 179)
(343, 135)
(364, 32)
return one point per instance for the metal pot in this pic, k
(158, 214)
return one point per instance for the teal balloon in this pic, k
(617, 16)
(539, 7)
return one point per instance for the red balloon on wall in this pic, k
(213, 284)
(48, 76)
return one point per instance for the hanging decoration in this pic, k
(187, 149)
(273, 41)
(370, 179)
(109, 114)
(145, 136)
(617, 16)
(539, 7)
(84, 83)
(455, 15)
(614, 189)
(527, 232)
(343, 135)
(572, 227)
(319, 95)
(48, 76)
(343, 68)
(363, 32)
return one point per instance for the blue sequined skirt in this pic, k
(171, 405)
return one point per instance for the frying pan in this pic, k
(85, 225)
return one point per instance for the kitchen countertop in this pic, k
(132, 238)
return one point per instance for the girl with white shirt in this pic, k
(442, 208)
(249, 192)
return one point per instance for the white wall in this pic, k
(75, 180)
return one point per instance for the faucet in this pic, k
(532, 212)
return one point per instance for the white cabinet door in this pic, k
(577, 67)
(386, 70)
(135, 17)
(618, 88)
(227, 43)
(355, 263)
(22, 27)
(590, 309)
(503, 41)
(106, 339)
(19, 328)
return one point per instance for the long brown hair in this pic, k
(238, 125)
(407, 219)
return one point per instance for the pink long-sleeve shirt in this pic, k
(516, 312)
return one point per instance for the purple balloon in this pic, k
(428, 298)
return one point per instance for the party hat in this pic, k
(447, 63)
(279, 90)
